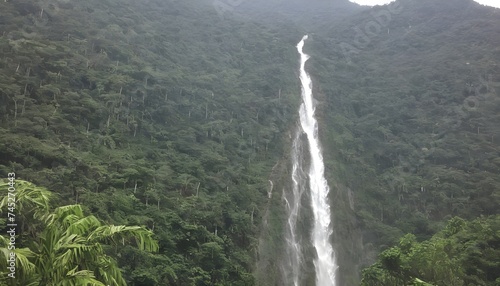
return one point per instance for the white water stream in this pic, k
(293, 205)
(324, 264)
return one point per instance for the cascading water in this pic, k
(324, 264)
(293, 205)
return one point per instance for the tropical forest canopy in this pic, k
(171, 117)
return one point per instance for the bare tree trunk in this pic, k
(15, 112)
(251, 218)
(381, 213)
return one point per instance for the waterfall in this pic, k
(293, 205)
(324, 264)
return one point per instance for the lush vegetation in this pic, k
(412, 113)
(464, 253)
(415, 117)
(61, 246)
(163, 114)
(158, 114)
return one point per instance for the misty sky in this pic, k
(494, 3)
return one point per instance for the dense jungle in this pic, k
(148, 142)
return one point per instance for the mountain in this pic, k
(410, 98)
(154, 113)
(178, 115)
(308, 15)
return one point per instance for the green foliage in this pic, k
(64, 246)
(157, 114)
(412, 118)
(162, 114)
(464, 253)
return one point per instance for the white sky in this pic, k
(493, 3)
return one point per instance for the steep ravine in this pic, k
(346, 236)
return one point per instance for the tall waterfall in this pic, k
(324, 264)
(293, 205)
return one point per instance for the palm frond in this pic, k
(68, 251)
(22, 256)
(76, 250)
(82, 226)
(112, 233)
(109, 271)
(4, 241)
(29, 197)
(64, 211)
(78, 278)
(65, 240)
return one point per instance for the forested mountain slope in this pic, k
(412, 92)
(176, 114)
(155, 113)
(463, 253)
(310, 16)
(409, 102)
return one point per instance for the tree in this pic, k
(463, 253)
(70, 248)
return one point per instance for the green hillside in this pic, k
(412, 111)
(176, 115)
(152, 113)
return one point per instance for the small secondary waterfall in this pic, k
(324, 264)
(293, 205)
